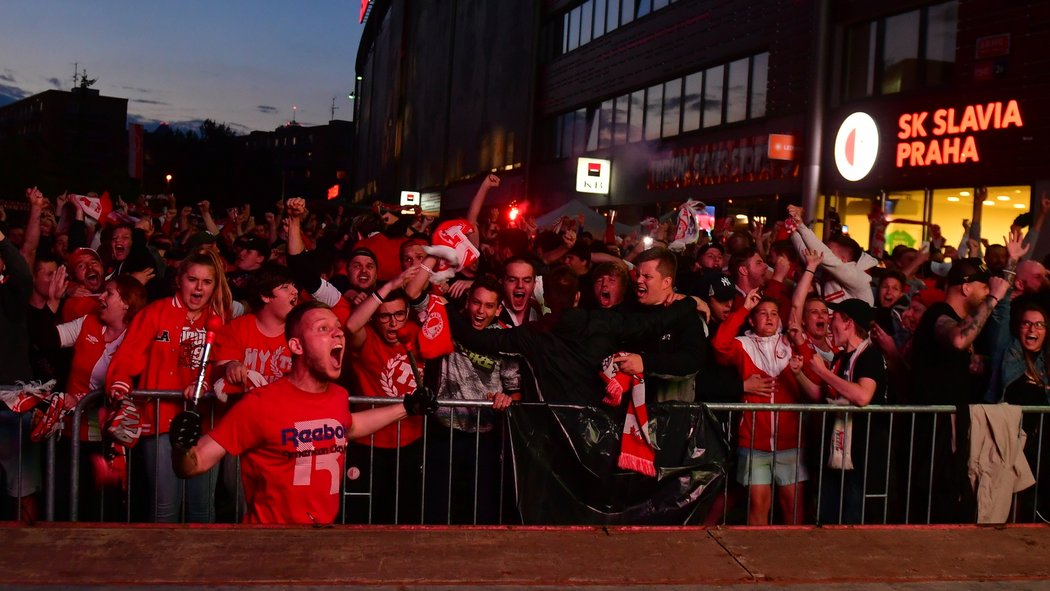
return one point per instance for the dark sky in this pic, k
(241, 62)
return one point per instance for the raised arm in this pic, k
(960, 335)
(478, 202)
(805, 282)
(209, 222)
(37, 202)
(358, 320)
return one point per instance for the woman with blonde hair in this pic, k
(163, 350)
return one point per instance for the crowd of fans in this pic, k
(489, 310)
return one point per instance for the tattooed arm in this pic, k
(960, 335)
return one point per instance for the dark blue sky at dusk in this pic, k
(240, 62)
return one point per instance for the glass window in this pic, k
(586, 20)
(626, 11)
(658, 4)
(713, 96)
(942, 23)
(853, 212)
(579, 143)
(860, 61)
(634, 130)
(644, 8)
(599, 19)
(593, 124)
(612, 19)
(736, 98)
(692, 101)
(759, 82)
(567, 121)
(672, 107)
(565, 33)
(950, 208)
(605, 129)
(555, 136)
(620, 129)
(574, 28)
(906, 206)
(653, 107)
(900, 54)
(999, 207)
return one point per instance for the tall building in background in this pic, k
(303, 161)
(717, 101)
(58, 139)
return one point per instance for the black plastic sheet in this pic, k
(565, 470)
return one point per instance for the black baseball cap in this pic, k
(856, 310)
(363, 252)
(260, 245)
(968, 270)
(715, 286)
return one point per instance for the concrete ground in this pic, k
(217, 557)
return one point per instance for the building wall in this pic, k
(60, 140)
(682, 38)
(446, 93)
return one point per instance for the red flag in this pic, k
(435, 338)
(96, 207)
(333, 191)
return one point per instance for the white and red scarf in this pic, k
(637, 450)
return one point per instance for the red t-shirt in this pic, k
(382, 370)
(241, 340)
(292, 445)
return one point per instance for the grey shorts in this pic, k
(757, 467)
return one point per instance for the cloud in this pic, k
(266, 109)
(185, 125)
(10, 94)
(8, 75)
(55, 82)
(148, 102)
(137, 89)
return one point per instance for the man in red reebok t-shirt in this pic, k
(291, 434)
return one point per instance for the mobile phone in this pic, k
(647, 241)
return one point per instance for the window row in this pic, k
(726, 93)
(594, 18)
(902, 52)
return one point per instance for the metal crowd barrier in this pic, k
(898, 482)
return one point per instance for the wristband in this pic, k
(994, 298)
(809, 271)
(426, 268)
(379, 299)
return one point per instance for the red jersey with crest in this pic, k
(163, 348)
(382, 370)
(292, 445)
(241, 340)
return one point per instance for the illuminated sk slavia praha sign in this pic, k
(946, 136)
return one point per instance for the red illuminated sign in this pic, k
(946, 136)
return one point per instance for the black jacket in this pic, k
(14, 300)
(566, 350)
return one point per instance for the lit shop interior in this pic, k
(911, 213)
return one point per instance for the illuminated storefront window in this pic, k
(906, 212)
(999, 207)
(950, 208)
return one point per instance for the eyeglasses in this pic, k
(387, 316)
(1036, 325)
